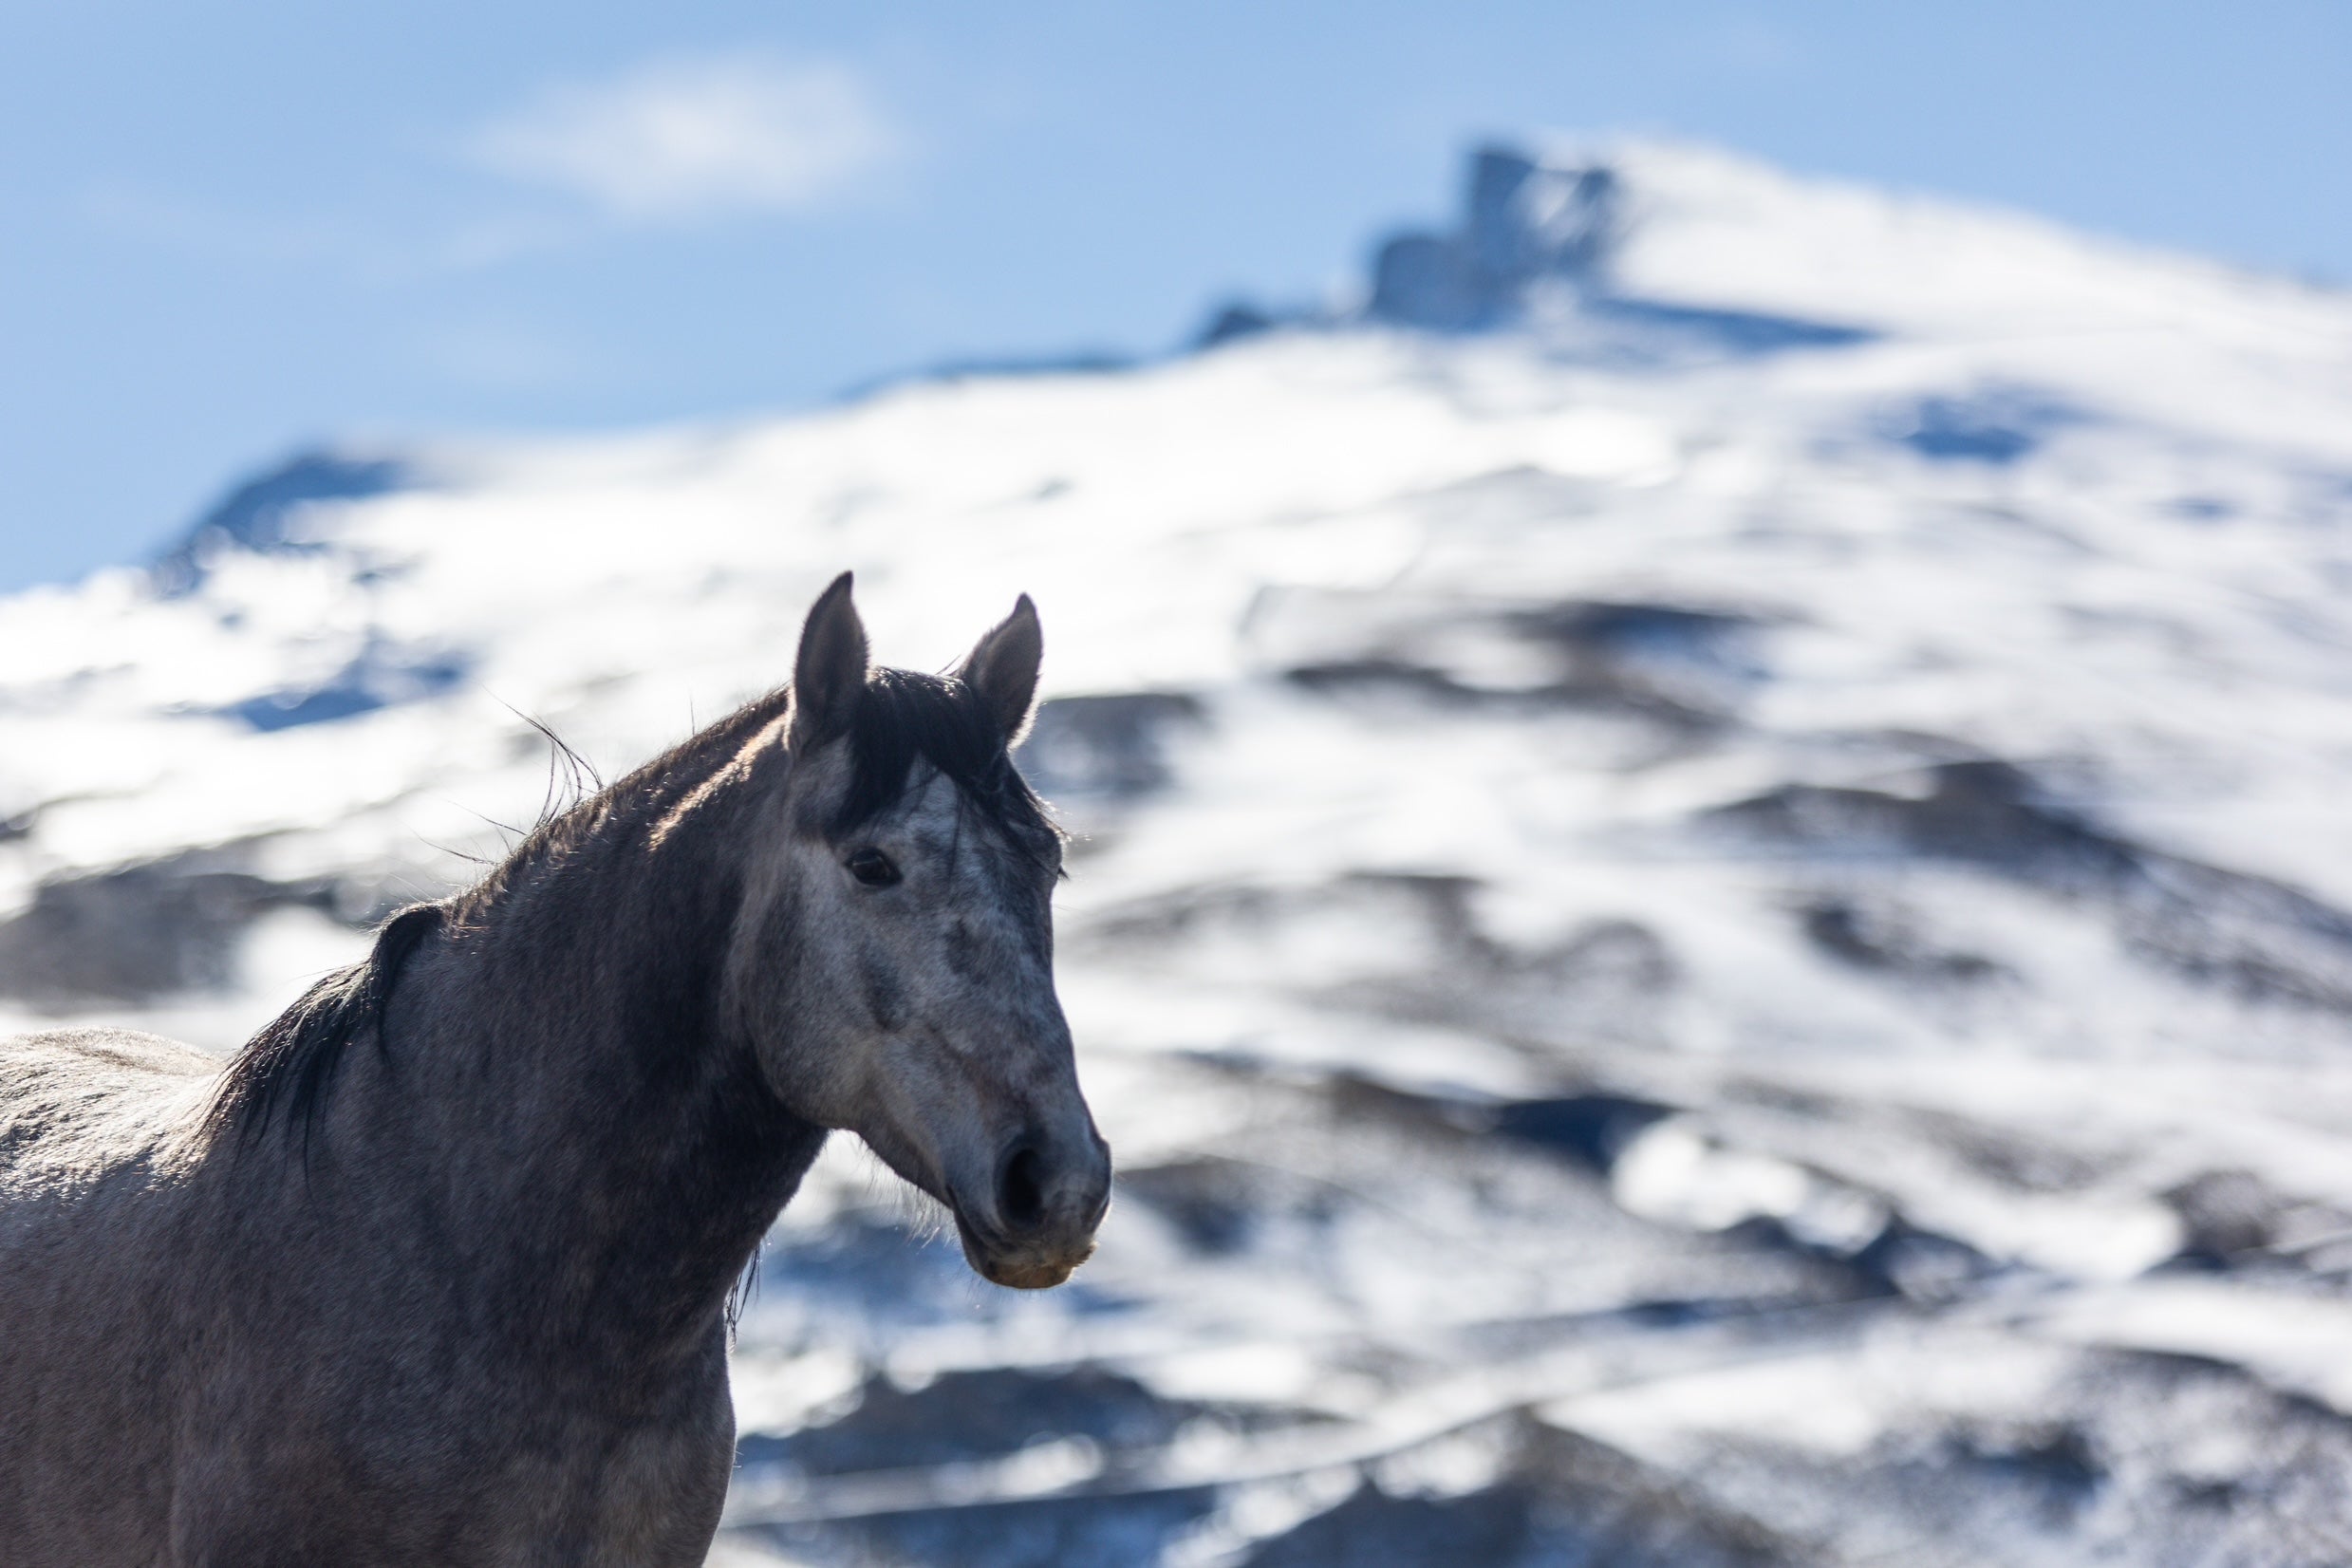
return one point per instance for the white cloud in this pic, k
(692, 138)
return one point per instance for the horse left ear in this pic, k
(1002, 669)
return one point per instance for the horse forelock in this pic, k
(902, 717)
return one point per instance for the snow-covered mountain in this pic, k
(1715, 918)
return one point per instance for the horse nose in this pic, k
(1020, 1189)
(1041, 1187)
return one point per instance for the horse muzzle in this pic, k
(1037, 1222)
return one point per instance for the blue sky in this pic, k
(229, 230)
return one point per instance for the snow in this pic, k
(1585, 713)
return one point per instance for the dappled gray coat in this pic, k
(436, 1270)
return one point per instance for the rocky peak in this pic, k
(1525, 222)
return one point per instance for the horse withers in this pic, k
(436, 1269)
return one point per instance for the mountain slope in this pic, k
(1713, 914)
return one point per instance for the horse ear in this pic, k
(829, 674)
(1002, 669)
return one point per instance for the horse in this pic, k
(438, 1269)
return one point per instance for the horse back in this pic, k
(96, 1126)
(76, 1104)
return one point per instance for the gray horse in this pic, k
(436, 1269)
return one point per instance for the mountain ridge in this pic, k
(1639, 243)
(1728, 803)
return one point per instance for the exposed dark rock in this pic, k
(2055, 1467)
(1666, 327)
(1979, 811)
(1602, 1508)
(1075, 362)
(140, 932)
(1523, 222)
(1223, 1205)
(1423, 921)
(1678, 663)
(976, 1415)
(2015, 1158)
(2226, 1214)
(1537, 233)
(1112, 747)
(1997, 425)
(1071, 361)
(1425, 280)
(1373, 1530)
(1069, 1532)
(380, 676)
(1595, 1129)
(256, 514)
(2128, 1457)
(2254, 937)
(1869, 937)
(985, 1415)
(1235, 320)
(1431, 963)
(1604, 981)
(866, 1269)
(1695, 661)
(1921, 1264)
(1212, 1202)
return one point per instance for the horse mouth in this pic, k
(1029, 1275)
(1016, 1265)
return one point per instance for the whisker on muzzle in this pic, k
(923, 1216)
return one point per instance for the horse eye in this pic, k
(872, 868)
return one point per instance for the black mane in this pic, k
(903, 716)
(285, 1073)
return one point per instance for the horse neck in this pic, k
(588, 1119)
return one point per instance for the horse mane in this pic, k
(286, 1072)
(283, 1072)
(286, 1068)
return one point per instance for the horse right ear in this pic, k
(830, 675)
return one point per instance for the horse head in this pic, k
(893, 962)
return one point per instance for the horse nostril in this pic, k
(1021, 1192)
